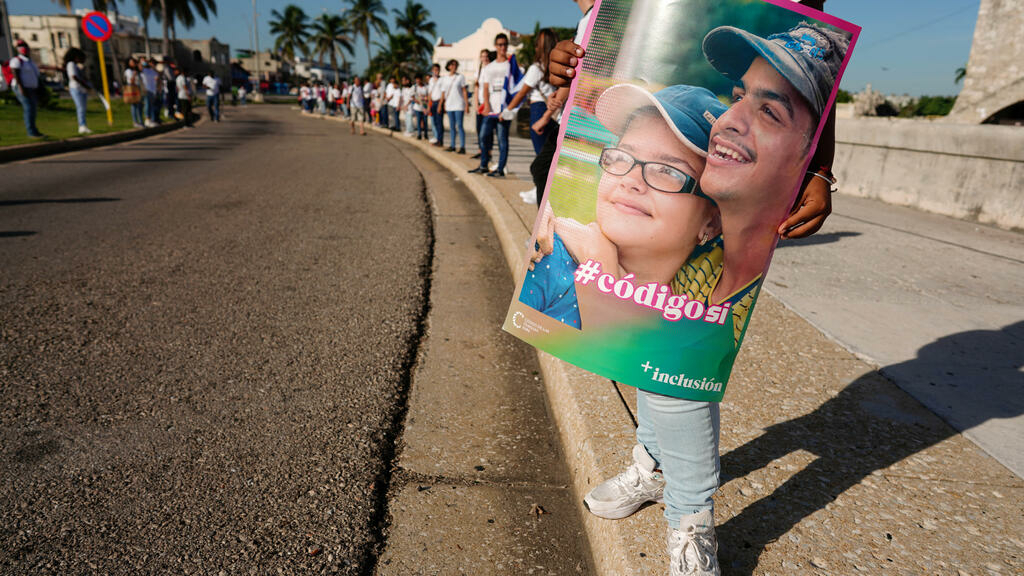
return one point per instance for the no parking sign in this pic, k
(96, 26)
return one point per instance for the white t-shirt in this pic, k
(74, 70)
(183, 86)
(368, 91)
(436, 87)
(421, 93)
(535, 78)
(407, 94)
(334, 95)
(212, 84)
(29, 73)
(358, 97)
(453, 99)
(394, 95)
(494, 76)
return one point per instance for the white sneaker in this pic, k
(84, 130)
(693, 549)
(529, 196)
(622, 495)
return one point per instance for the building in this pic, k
(50, 37)
(467, 50)
(271, 68)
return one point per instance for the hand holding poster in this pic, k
(666, 200)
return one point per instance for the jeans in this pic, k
(487, 141)
(385, 115)
(29, 100)
(395, 125)
(437, 118)
(421, 124)
(537, 109)
(682, 437)
(455, 120)
(81, 98)
(137, 113)
(152, 107)
(410, 121)
(213, 107)
(185, 106)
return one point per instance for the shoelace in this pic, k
(629, 477)
(698, 544)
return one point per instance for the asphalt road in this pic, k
(205, 346)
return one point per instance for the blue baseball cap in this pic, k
(808, 56)
(689, 111)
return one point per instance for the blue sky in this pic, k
(907, 46)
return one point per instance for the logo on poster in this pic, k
(517, 319)
(520, 321)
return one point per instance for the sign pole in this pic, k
(106, 85)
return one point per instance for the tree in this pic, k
(414, 21)
(331, 36)
(185, 11)
(290, 31)
(65, 3)
(146, 11)
(364, 15)
(399, 57)
(961, 73)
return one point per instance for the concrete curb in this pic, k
(593, 422)
(28, 151)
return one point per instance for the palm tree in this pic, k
(331, 36)
(414, 21)
(290, 31)
(364, 15)
(185, 11)
(65, 3)
(399, 57)
(961, 72)
(146, 11)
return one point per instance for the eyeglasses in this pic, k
(661, 177)
(498, 44)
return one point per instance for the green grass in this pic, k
(60, 122)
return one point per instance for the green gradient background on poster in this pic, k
(619, 351)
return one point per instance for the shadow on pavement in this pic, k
(57, 201)
(16, 233)
(125, 160)
(823, 238)
(870, 425)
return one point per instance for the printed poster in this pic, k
(689, 131)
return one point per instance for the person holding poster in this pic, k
(758, 152)
(758, 149)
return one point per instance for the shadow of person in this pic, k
(870, 425)
(823, 238)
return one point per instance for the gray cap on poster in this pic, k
(808, 56)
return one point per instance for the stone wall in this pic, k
(995, 70)
(965, 171)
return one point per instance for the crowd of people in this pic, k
(154, 89)
(421, 105)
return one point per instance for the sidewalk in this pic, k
(827, 466)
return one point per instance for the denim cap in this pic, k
(808, 56)
(689, 111)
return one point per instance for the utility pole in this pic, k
(7, 50)
(256, 41)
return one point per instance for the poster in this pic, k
(688, 133)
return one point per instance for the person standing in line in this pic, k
(357, 106)
(408, 94)
(494, 77)
(151, 90)
(478, 93)
(26, 87)
(436, 88)
(536, 86)
(133, 91)
(212, 85)
(183, 88)
(78, 86)
(368, 99)
(420, 97)
(243, 94)
(456, 102)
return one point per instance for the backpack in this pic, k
(8, 75)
